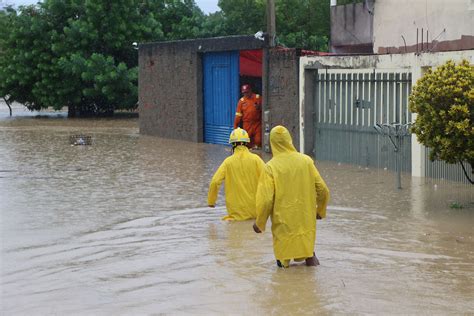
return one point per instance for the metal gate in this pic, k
(348, 103)
(220, 84)
(441, 170)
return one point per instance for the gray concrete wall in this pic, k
(352, 28)
(170, 105)
(170, 84)
(283, 101)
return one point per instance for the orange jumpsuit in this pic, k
(249, 110)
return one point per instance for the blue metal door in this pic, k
(221, 87)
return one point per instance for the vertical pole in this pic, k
(399, 162)
(398, 131)
(271, 24)
(417, 40)
(271, 33)
(422, 39)
(427, 41)
(266, 103)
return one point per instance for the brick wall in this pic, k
(170, 92)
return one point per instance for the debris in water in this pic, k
(80, 140)
(456, 205)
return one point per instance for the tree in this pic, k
(444, 101)
(17, 73)
(94, 51)
(181, 19)
(299, 23)
(79, 53)
(243, 16)
(214, 25)
(76, 53)
(303, 23)
(4, 18)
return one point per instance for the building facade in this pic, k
(343, 97)
(189, 89)
(402, 26)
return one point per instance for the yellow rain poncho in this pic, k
(291, 192)
(241, 172)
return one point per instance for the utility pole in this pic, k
(271, 25)
(270, 42)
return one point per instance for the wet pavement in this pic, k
(121, 227)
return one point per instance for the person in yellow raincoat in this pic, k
(291, 192)
(241, 172)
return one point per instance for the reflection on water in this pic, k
(122, 227)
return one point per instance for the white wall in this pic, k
(445, 20)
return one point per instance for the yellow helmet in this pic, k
(239, 135)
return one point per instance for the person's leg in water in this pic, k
(283, 263)
(312, 261)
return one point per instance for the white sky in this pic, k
(207, 6)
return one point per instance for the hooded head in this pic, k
(280, 140)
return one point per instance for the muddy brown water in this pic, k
(122, 227)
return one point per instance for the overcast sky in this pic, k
(207, 6)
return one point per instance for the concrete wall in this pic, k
(447, 25)
(415, 63)
(170, 101)
(352, 28)
(283, 101)
(170, 84)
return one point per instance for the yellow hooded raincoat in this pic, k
(292, 192)
(241, 172)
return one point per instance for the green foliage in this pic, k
(243, 17)
(79, 53)
(181, 19)
(214, 25)
(456, 205)
(299, 23)
(343, 2)
(444, 101)
(25, 62)
(303, 23)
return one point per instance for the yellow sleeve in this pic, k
(322, 193)
(265, 197)
(260, 166)
(215, 184)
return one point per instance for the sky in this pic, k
(207, 6)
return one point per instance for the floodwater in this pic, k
(121, 227)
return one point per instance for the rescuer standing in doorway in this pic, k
(249, 111)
